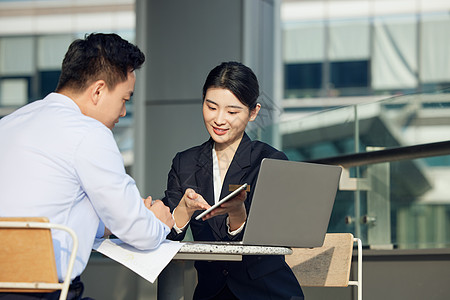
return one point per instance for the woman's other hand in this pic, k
(235, 209)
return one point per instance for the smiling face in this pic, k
(226, 117)
(111, 104)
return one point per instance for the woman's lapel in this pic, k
(236, 174)
(240, 165)
(204, 175)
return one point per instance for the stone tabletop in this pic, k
(226, 248)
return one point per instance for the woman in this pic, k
(202, 175)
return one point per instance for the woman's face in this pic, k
(226, 117)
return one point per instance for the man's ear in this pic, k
(98, 88)
(254, 112)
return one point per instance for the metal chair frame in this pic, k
(329, 265)
(64, 286)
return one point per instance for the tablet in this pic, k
(225, 199)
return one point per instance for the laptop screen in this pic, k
(292, 204)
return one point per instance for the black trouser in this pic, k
(75, 293)
(225, 294)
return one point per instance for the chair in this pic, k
(27, 260)
(329, 265)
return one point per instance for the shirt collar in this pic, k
(62, 99)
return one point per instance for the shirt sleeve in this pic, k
(176, 228)
(173, 195)
(114, 194)
(100, 230)
(234, 232)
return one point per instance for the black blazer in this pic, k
(256, 277)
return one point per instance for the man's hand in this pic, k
(107, 233)
(161, 211)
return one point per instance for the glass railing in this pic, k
(395, 190)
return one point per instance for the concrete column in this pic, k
(183, 41)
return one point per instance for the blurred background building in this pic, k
(339, 77)
(35, 35)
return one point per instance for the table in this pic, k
(171, 280)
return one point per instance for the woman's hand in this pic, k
(190, 202)
(235, 208)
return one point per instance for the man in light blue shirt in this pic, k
(59, 159)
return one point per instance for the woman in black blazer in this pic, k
(202, 175)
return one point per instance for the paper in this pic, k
(146, 263)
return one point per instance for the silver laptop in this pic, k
(292, 204)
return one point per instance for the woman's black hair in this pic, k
(238, 79)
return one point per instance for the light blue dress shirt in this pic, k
(58, 163)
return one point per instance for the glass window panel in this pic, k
(435, 49)
(48, 82)
(349, 40)
(394, 63)
(17, 56)
(51, 51)
(303, 76)
(304, 43)
(346, 74)
(13, 92)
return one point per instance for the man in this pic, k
(59, 159)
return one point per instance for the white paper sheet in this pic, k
(148, 264)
